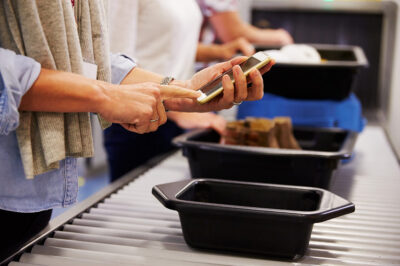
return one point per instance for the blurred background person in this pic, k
(222, 23)
(163, 37)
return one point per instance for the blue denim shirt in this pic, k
(57, 188)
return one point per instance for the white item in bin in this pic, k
(296, 53)
(278, 56)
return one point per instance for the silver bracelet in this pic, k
(167, 80)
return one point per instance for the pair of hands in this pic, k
(141, 107)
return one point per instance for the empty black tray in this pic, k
(332, 79)
(323, 148)
(273, 220)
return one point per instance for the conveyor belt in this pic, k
(130, 227)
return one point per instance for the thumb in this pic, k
(170, 91)
(247, 49)
(237, 60)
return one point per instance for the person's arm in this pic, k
(57, 91)
(133, 106)
(229, 26)
(223, 52)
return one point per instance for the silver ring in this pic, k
(154, 120)
(235, 103)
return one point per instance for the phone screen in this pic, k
(216, 84)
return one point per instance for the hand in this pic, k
(139, 107)
(199, 120)
(230, 49)
(238, 92)
(278, 37)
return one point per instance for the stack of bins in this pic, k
(316, 95)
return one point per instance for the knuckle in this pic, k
(156, 93)
(152, 103)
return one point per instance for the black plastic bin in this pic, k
(332, 79)
(323, 149)
(273, 220)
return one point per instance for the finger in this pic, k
(228, 93)
(171, 91)
(134, 128)
(240, 84)
(220, 68)
(143, 128)
(155, 118)
(181, 105)
(245, 47)
(153, 123)
(237, 60)
(256, 91)
(129, 127)
(162, 115)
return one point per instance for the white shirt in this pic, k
(162, 35)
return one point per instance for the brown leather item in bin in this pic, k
(234, 133)
(261, 132)
(284, 133)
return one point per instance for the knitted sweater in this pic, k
(49, 32)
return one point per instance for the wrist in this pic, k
(217, 52)
(101, 97)
(182, 83)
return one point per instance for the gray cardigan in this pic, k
(49, 32)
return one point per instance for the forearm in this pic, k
(57, 91)
(138, 75)
(208, 53)
(228, 26)
(262, 36)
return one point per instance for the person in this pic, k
(222, 23)
(134, 25)
(45, 101)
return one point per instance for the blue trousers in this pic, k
(127, 150)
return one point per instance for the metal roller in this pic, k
(125, 225)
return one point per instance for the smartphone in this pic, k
(214, 87)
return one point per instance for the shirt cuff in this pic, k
(212, 7)
(17, 75)
(121, 65)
